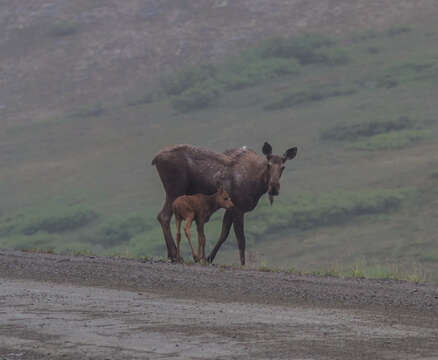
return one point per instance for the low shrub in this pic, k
(372, 34)
(120, 230)
(39, 241)
(305, 49)
(63, 29)
(356, 130)
(307, 211)
(147, 98)
(390, 141)
(189, 77)
(86, 111)
(197, 97)
(67, 220)
(364, 36)
(243, 74)
(305, 96)
(398, 30)
(434, 174)
(50, 221)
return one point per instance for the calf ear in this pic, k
(290, 153)
(267, 149)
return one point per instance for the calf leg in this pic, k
(164, 218)
(238, 225)
(226, 226)
(187, 231)
(201, 243)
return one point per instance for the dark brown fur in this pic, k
(197, 207)
(245, 175)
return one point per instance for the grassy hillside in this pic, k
(359, 105)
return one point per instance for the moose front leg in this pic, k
(238, 225)
(226, 226)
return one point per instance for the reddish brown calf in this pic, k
(198, 207)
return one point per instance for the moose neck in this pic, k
(264, 183)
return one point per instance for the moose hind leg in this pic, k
(164, 218)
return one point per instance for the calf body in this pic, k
(198, 207)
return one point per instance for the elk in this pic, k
(245, 175)
(197, 207)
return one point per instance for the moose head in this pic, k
(275, 167)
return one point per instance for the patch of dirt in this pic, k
(62, 307)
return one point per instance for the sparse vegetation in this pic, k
(264, 267)
(332, 270)
(357, 272)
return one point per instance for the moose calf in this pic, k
(198, 207)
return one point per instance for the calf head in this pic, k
(222, 197)
(275, 168)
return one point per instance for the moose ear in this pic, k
(290, 153)
(267, 149)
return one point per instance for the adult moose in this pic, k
(245, 175)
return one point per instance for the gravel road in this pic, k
(64, 307)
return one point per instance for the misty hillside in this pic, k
(91, 90)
